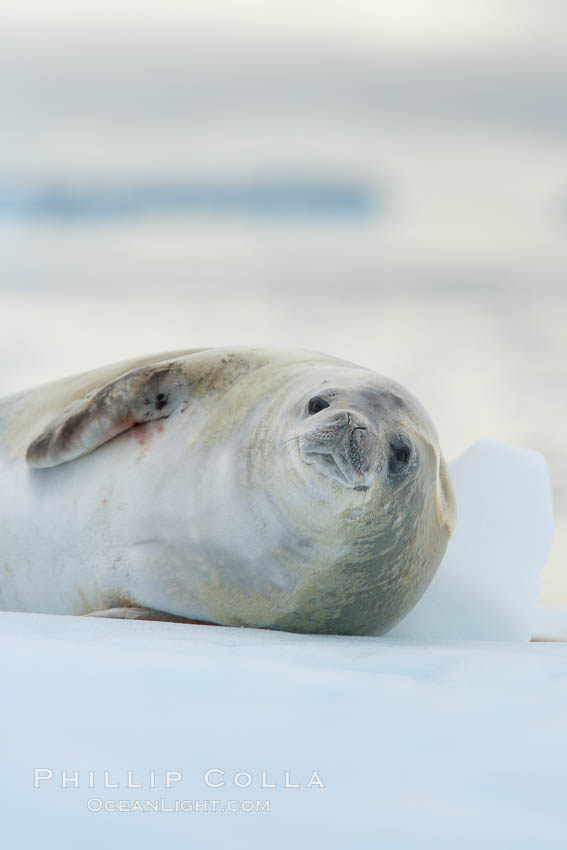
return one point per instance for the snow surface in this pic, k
(419, 745)
(487, 585)
(421, 738)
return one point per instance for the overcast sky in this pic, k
(457, 109)
(404, 22)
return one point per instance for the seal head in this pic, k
(367, 453)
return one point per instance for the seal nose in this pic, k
(342, 447)
(356, 426)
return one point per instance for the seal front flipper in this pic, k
(136, 397)
(145, 614)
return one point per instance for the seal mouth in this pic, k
(342, 454)
(328, 464)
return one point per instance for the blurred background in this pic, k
(382, 180)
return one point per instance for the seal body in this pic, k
(267, 488)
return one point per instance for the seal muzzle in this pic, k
(342, 448)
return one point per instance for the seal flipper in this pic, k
(145, 614)
(136, 397)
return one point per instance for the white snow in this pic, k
(487, 585)
(419, 745)
(551, 624)
(421, 741)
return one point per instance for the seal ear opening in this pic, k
(136, 397)
(445, 505)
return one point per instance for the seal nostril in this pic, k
(356, 426)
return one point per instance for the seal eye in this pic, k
(400, 456)
(316, 405)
